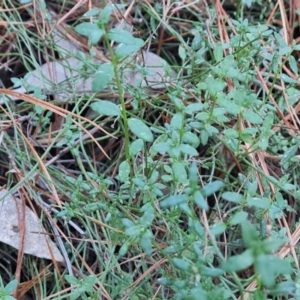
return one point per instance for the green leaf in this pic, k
(89, 281)
(105, 14)
(272, 179)
(252, 117)
(233, 197)
(181, 264)
(106, 108)
(177, 121)
(211, 272)
(164, 281)
(194, 107)
(203, 116)
(173, 201)
(214, 86)
(291, 152)
(71, 279)
(267, 32)
(238, 218)
(124, 249)
(287, 78)
(124, 50)
(198, 228)
(140, 129)
(271, 246)
(275, 63)
(231, 133)
(136, 147)
(90, 30)
(11, 287)
(211, 129)
(75, 294)
(219, 113)
(268, 123)
(191, 138)
(279, 39)
(247, 2)
(146, 242)
(193, 176)
(175, 136)
(196, 43)
(134, 231)
(161, 148)
(185, 208)
(263, 144)
(124, 171)
(148, 217)
(218, 52)
(174, 152)
(103, 77)
(179, 172)
(218, 228)
(238, 262)
(211, 188)
(251, 187)
(182, 52)
(139, 182)
(285, 288)
(200, 200)
(127, 223)
(187, 149)
(204, 137)
(259, 295)
(284, 51)
(121, 36)
(91, 13)
(293, 64)
(16, 81)
(249, 233)
(270, 267)
(258, 202)
(196, 125)
(177, 102)
(245, 137)
(173, 249)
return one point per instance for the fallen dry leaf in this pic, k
(36, 241)
(156, 78)
(61, 78)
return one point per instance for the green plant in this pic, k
(82, 288)
(196, 195)
(6, 291)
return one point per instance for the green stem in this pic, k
(122, 100)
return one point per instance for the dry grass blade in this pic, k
(157, 264)
(25, 286)
(58, 110)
